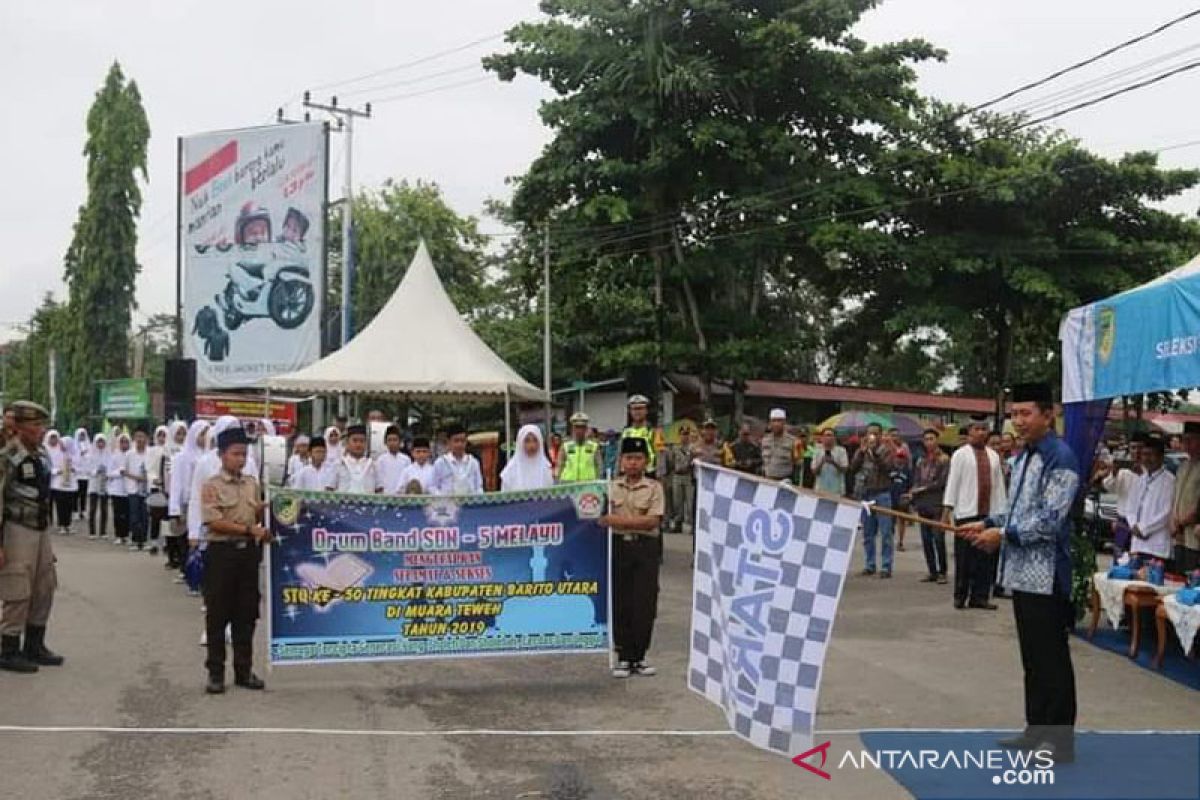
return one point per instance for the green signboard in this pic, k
(128, 398)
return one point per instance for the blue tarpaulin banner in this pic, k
(371, 577)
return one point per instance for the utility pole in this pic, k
(546, 328)
(345, 117)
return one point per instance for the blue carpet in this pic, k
(1176, 666)
(1108, 766)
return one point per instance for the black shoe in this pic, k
(983, 604)
(1022, 741)
(960, 603)
(11, 657)
(36, 650)
(942, 581)
(250, 681)
(928, 579)
(868, 572)
(887, 573)
(1059, 753)
(215, 685)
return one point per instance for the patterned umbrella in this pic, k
(849, 422)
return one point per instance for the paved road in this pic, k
(900, 657)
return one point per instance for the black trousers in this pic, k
(64, 504)
(98, 504)
(1043, 622)
(83, 497)
(972, 570)
(635, 594)
(230, 598)
(120, 512)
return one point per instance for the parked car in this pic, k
(1099, 514)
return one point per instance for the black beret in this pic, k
(231, 436)
(631, 445)
(1155, 442)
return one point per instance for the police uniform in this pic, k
(581, 461)
(28, 578)
(635, 567)
(682, 486)
(643, 432)
(778, 453)
(231, 561)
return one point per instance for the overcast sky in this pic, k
(223, 64)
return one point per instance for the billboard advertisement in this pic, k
(252, 233)
(247, 408)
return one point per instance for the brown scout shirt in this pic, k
(641, 499)
(229, 498)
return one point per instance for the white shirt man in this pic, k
(1150, 507)
(457, 472)
(356, 473)
(391, 463)
(420, 470)
(962, 485)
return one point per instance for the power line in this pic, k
(411, 81)
(1110, 95)
(406, 65)
(434, 90)
(1087, 61)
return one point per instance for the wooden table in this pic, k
(1137, 598)
(1161, 618)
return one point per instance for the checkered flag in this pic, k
(770, 563)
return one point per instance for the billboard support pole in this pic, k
(178, 247)
(345, 116)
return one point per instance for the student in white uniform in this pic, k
(97, 470)
(297, 460)
(318, 474)
(117, 496)
(83, 467)
(417, 477)
(62, 481)
(529, 467)
(179, 493)
(1150, 503)
(391, 463)
(356, 471)
(333, 444)
(457, 472)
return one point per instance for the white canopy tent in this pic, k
(417, 346)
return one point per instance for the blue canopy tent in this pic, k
(1146, 339)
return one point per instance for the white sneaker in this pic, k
(622, 670)
(93, 536)
(643, 669)
(204, 639)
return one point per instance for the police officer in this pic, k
(580, 459)
(709, 450)
(778, 448)
(27, 574)
(231, 512)
(679, 469)
(636, 511)
(639, 428)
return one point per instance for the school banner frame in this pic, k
(251, 228)
(356, 578)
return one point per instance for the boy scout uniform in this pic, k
(28, 578)
(231, 594)
(635, 564)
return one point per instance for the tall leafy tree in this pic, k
(691, 140)
(989, 233)
(101, 265)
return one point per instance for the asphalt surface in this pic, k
(900, 656)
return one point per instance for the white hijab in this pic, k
(334, 452)
(171, 448)
(523, 471)
(83, 441)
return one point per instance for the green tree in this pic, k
(690, 140)
(27, 361)
(989, 234)
(101, 265)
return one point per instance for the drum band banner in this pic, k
(252, 239)
(374, 577)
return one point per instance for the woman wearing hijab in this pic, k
(333, 445)
(179, 492)
(83, 468)
(529, 468)
(97, 486)
(117, 495)
(62, 482)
